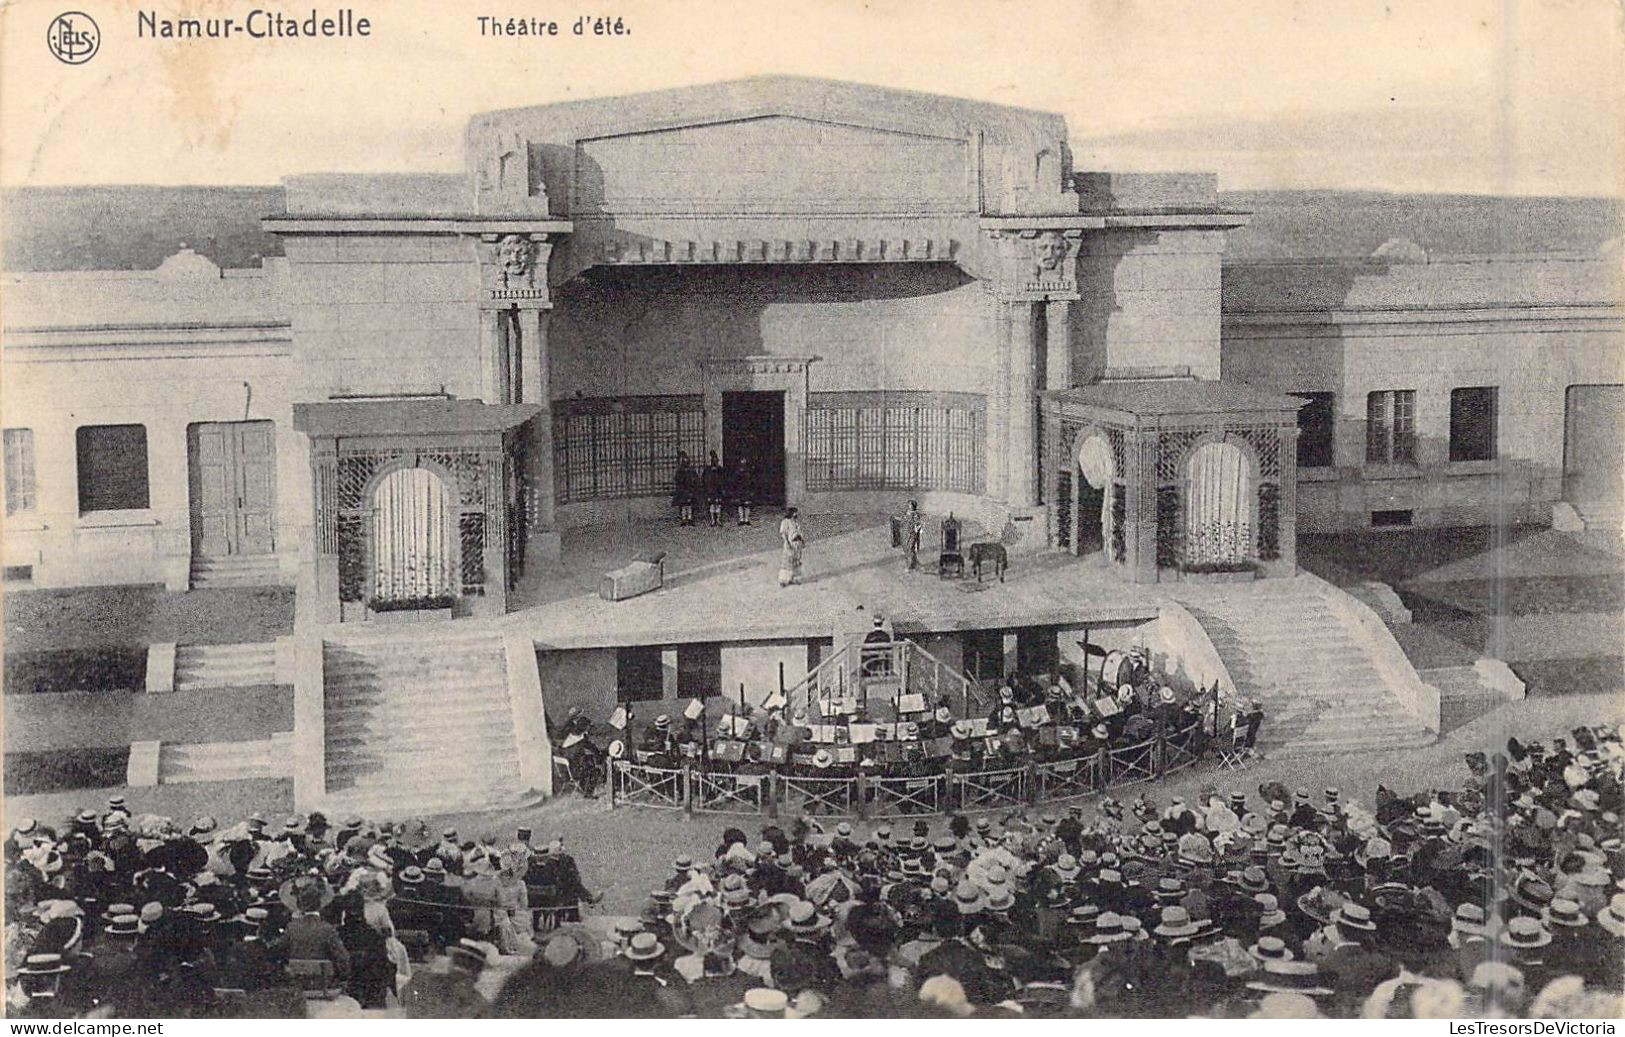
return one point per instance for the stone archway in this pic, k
(1097, 473)
(414, 537)
(1220, 496)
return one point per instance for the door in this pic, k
(753, 428)
(1593, 443)
(233, 487)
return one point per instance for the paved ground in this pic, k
(626, 852)
(1551, 605)
(731, 574)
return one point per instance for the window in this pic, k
(610, 448)
(1472, 424)
(1315, 420)
(639, 674)
(112, 468)
(1390, 427)
(895, 440)
(699, 671)
(984, 654)
(19, 470)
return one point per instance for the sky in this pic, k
(1464, 96)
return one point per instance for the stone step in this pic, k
(414, 803)
(226, 761)
(380, 737)
(418, 701)
(485, 673)
(225, 666)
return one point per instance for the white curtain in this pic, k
(414, 548)
(1095, 465)
(1218, 512)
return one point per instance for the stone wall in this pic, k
(1529, 325)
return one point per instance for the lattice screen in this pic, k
(895, 441)
(625, 447)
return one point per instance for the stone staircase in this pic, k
(1315, 669)
(419, 722)
(226, 761)
(236, 571)
(225, 666)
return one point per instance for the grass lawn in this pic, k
(72, 720)
(58, 770)
(96, 617)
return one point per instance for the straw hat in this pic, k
(1612, 917)
(1108, 929)
(1290, 977)
(1273, 915)
(1566, 913)
(804, 917)
(1525, 932)
(1270, 948)
(822, 759)
(43, 965)
(644, 947)
(1352, 915)
(1469, 919)
(1176, 922)
(765, 1003)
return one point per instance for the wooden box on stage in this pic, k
(629, 581)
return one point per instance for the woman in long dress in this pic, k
(793, 540)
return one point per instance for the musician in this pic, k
(1003, 717)
(942, 719)
(659, 743)
(575, 745)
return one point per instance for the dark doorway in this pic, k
(753, 428)
(1090, 504)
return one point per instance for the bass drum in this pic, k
(1117, 670)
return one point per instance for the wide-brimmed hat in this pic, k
(822, 759)
(304, 893)
(1083, 914)
(1353, 915)
(43, 965)
(968, 898)
(1469, 919)
(124, 924)
(411, 876)
(1532, 893)
(202, 912)
(1251, 879)
(1175, 922)
(1522, 931)
(943, 715)
(804, 917)
(1271, 948)
(1567, 913)
(1319, 903)
(1273, 915)
(1290, 977)
(1612, 916)
(644, 947)
(1066, 866)
(1165, 693)
(961, 729)
(1108, 929)
(765, 1003)
(1170, 889)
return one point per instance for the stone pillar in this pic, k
(493, 357)
(538, 476)
(1022, 453)
(1058, 344)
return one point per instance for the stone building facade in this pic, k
(869, 293)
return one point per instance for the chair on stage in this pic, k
(1240, 752)
(951, 562)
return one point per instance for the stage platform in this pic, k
(722, 585)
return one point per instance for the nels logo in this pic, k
(73, 37)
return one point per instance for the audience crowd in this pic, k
(1502, 897)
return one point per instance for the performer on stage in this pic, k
(740, 485)
(714, 481)
(792, 541)
(913, 529)
(685, 488)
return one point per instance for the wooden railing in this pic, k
(774, 792)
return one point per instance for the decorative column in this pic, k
(1033, 266)
(1058, 344)
(1021, 468)
(515, 301)
(537, 382)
